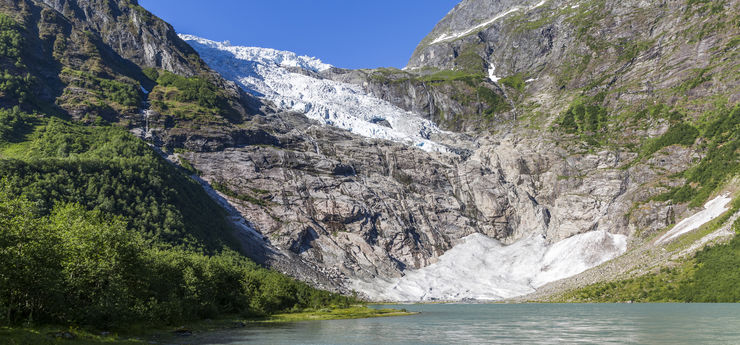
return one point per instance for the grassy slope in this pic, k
(710, 275)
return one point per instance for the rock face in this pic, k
(542, 54)
(78, 45)
(134, 33)
(502, 73)
(364, 208)
(470, 21)
(548, 106)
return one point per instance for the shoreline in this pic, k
(143, 334)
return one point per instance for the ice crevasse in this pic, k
(271, 74)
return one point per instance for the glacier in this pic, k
(281, 77)
(481, 268)
(478, 267)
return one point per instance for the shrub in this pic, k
(680, 134)
(583, 116)
(13, 124)
(515, 81)
(76, 267)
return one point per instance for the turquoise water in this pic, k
(509, 324)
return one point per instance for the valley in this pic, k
(530, 151)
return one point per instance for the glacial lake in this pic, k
(508, 324)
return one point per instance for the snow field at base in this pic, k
(712, 209)
(271, 74)
(481, 268)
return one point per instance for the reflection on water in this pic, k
(509, 324)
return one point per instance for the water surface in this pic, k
(508, 324)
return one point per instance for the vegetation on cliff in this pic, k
(97, 229)
(709, 276)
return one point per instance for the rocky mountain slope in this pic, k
(525, 142)
(573, 118)
(94, 61)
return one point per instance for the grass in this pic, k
(49, 335)
(223, 188)
(356, 312)
(142, 334)
(450, 75)
(710, 275)
(515, 82)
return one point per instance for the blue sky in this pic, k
(344, 33)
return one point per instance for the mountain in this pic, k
(528, 146)
(574, 131)
(99, 228)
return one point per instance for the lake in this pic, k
(508, 324)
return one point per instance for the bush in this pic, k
(15, 85)
(111, 171)
(721, 160)
(495, 102)
(76, 267)
(123, 92)
(14, 123)
(11, 39)
(584, 116)
(680, 134)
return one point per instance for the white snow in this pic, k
(453, 36)
(531, 80)
(712, 209)
(492, 76)
(538, 4)
(271, 74)
(482, 268)
(724, 231)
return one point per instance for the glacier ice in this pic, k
(272, 74)
(482, 268)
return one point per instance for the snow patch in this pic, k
(452, 36)
(482, 268)
(712, 209)
(539, 4)
(272, 74)
(725, 231)
(492, 76)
